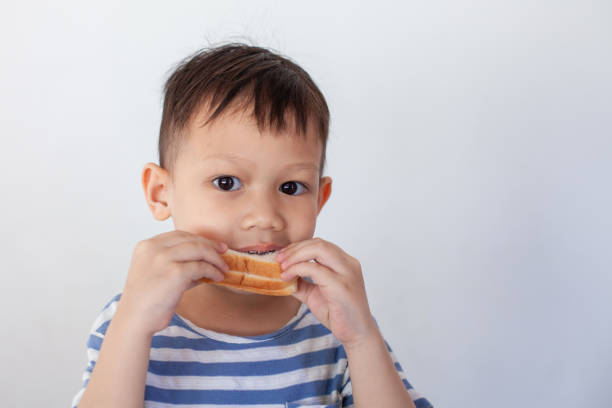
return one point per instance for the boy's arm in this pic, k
(118, 379)
(337, 298)
(162, 269)
(374, 379)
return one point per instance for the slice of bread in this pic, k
(255, 273)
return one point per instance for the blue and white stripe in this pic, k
(301, 365)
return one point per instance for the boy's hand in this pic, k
(337, 297)
(162, 268)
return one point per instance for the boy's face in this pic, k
(236, 185)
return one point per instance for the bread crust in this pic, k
(254, 273)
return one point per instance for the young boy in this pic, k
(242, 148)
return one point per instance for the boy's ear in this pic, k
(324, 192)
(155, 183)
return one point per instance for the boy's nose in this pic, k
(263, 213)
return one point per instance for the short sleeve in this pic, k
(94, 342)
(347, 391)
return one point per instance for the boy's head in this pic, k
(242, 148)
(276, 92)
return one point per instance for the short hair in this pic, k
(243, 76)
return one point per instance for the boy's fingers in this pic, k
(295, 245)
(320, 275)
(176, 237)
(317, 250)
(304, 290)
(289, 250)
(196, 251)
(299, 246)
(197, 270)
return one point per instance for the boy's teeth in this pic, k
(260, 253)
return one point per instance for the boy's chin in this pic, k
(237, 291)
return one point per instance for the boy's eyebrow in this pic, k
(236, 158)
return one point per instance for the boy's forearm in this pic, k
(374, 379)
(119, 376)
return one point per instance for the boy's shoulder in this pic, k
(102, 321)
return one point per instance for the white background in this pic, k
(471, 152)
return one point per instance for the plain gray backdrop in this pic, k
(470, 148)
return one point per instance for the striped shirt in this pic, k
(301, 365)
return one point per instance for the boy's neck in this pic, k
(215, 308)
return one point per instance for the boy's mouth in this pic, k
(260, 253)
(260, 249)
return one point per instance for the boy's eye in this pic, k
(291, 187)
(231, 183)
(226, 182)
